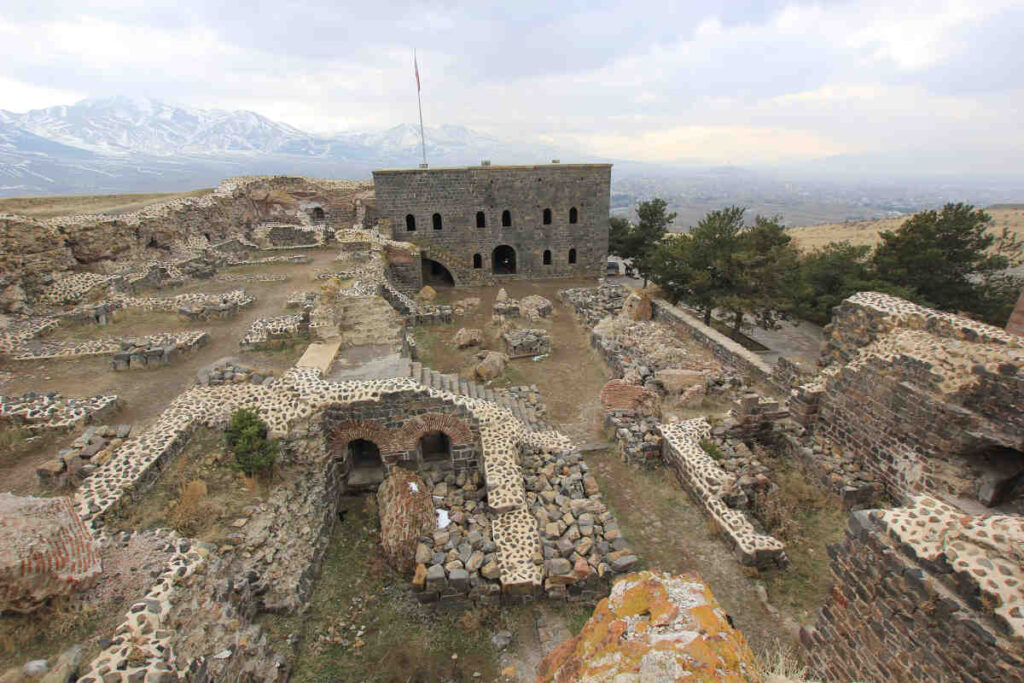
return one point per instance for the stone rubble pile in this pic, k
(505, 306)
(581, 541)
(535, 307)
(95, 446)
(638, 438)
(592, 304)
(231, 371)
(520, 343)
(528, 395)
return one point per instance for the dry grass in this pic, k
(65, 205)
(191, 508)
(782, 665)
(811, 237)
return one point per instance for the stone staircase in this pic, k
(463, 387)
(368, 321)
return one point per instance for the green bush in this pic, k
(247, 439)
(711, 448)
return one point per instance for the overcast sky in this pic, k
(758, 82)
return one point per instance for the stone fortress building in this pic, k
(483, 223)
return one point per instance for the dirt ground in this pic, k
(569, 379)
(143, 394)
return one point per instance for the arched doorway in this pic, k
(318, 213)
(435, 447)
(504, 260)
(436, 275)
(364, 454)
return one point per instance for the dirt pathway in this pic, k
(670, 533)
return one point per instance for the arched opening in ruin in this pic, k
(481, 219)
(506, 218)
(547, 257)
(572, 256)
(436, 274)
(478, 261)
(207, 236)
(436, 219)
(435, 447)
(547, 216)
(364, 454)
(318, 213)
(410, 223)
(1001, 477)
(503, 260)
(574, 215)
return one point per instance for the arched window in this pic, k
(410, 223)
(478, 261)
(481, 219)
(435, 447)
(506, 218)
(572, 256)
(363, 453)
(547, 216)
(437, 221)
(318, 213)
(574, 215)
(547, 257)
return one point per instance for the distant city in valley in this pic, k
(122, 144)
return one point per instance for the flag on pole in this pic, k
(416, 66)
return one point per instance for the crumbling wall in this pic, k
(31, 249)
(922, 593)
(922, 402)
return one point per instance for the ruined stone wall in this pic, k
(922, 402)
(921, 594)
(457, 194)
(395, 424)
(31, 249)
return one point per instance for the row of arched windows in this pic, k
(481, 219)
(478, 260)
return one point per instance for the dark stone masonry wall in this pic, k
(458, 194)
(395, 424)
(890, 617)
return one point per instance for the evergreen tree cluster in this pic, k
(247, 439)
(948, 259)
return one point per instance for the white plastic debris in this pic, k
(442, 519)
(413, 487)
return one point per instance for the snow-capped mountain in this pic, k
(122, 125)
(122, 144)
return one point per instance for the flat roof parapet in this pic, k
(507, 167)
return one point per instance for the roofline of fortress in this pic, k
(507, 167)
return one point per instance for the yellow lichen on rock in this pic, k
(654, 627)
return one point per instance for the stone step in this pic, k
(463, 387)
(435, 379)
(424, 376)
(414, 369)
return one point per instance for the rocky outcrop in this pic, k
(406, 514)
(654, 627)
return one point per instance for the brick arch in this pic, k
(361, 429)
(457, 430)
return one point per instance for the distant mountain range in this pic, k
(123, 144)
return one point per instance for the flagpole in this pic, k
(419, 101)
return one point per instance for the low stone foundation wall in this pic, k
(922, 593)
(277, 332)
(701, 476)
(154, 352)
(52, 411)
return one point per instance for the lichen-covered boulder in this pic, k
(490, 365)
(654, 627)
(406, 514)
(45, 551)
